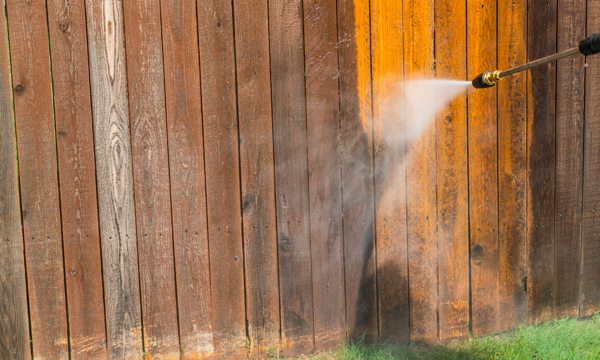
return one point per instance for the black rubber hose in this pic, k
(479, 83)
(590, 45)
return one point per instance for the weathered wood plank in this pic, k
(324, 176)
(186, 159)
(40, 205)
(217, 70)
(291, 175)
(14, 320)
(570, 104)
(114, 176)
(389, 171)
(483, 170)
(357, 168)
(512, 164)
(452, 174)
(541, 161)
(421, 179)
(79, 207)
(590, 232)
(151, 177)
(258, 184)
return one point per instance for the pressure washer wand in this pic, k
(588, 46)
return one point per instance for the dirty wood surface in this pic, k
(389, 169)
(483, 181)
(221, 159)
(40, 203)
(78, 198)
(570, 103)
(421, 179)
(110, 112)
(324, 177)
(14, 319)
(452, 174)
(541, 162)
(512, 165)
(291, 176)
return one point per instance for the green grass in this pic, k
(564, 339)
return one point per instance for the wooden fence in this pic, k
(179, 177)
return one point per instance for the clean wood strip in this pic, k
(186, 155)
(512, 164)
(40, 205)
(258, 183)
(421, 179)
(217, 70)
(114, 177)
(452, 174)
(151, 177)
(291, 175)
(14, 332)
(590, 274)
(79, 206)
(357, 168)
(324, 176)
(483, 169)
(570, 104)
(541, 161)
(389, 171)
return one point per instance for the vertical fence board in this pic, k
(421, 179)
(357, 168)
(79, 207)
(541, 95)
(570, 103)
(151, 177)
(40, 206)
(512, 164)
(590, 275)
(291, 175)
(217, 71)
(452, 174)
(324, 176)
(186, 160)
(389, 171)
(258, 187)
(114, 176)
(483, 181)
(14, 320)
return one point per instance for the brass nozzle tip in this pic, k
(492, 78)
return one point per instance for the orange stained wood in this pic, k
(421, 179)
(512, 164)
(357, 167)
(40, 203)
(452, 174)
(389, 171)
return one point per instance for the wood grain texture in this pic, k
(258, 186)
(512, 164)
(150, 161)
(32, 85)
(14, 319)
(570, 104)
(541, 161)
(452, 174)
(389, 161)
(186, 159)
(324, 176)
(357, 168)
(421, 179)
(114, 177)
(590, 226)
(291, 175)
(79, 206)
(483, 170)
(219, 107)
